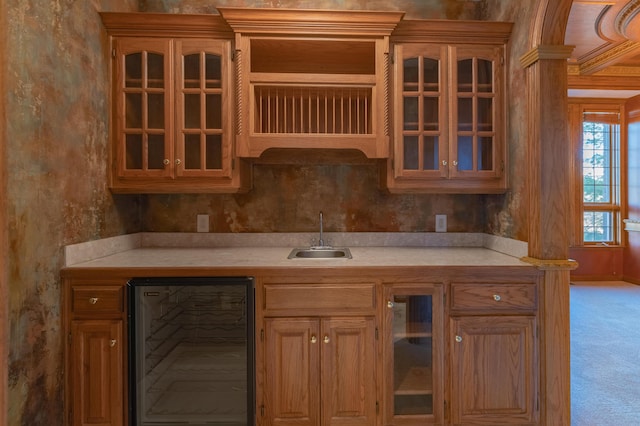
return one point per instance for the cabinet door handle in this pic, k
(178, 161)
(497, 297)
(444, 162)
(389, 304)
(112, 342)
(166, 162)
(458, 339)
(93, 300)
(455, 163)
(313, 338)
(326, 339)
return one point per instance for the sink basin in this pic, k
(320, 253)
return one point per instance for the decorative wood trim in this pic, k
(626, 16)
(160, 24)
(612, 55)
(612, 71)
(551, 264)
(451, 32)
(603, 82)
(239, 59)
(300, 21)
(545, 52)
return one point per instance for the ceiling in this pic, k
(606, 57)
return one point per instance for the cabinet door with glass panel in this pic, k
(477, 113)
(143, 120)
(413, 355)
(173, 124)
(449, 119)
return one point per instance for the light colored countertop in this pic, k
(254, 257)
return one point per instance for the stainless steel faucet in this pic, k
(321, 240)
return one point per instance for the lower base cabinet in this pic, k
(319, 371)
(98, 375)
(344, 351)
(413, 354)
(493, 374)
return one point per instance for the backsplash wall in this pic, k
(288, 198)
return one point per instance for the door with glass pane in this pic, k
(476, 112)
(413, 352)
(203, 123)
(172, 117)
(421, 123)
(143, 120)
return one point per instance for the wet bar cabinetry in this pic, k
(413, 353)
(494, 351)
(172, 85)
(317, 352)
(371, 346)
(197, 98)
(312, 79)
(94, 321)
(449, 95)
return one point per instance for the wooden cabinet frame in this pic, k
(172, 36)
(330, 93)
(446, 43)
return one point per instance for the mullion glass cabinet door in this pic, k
(143, 118)
(413, 351)
(423, 124)
(477, 110)
(204, 147)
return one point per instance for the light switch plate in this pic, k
(441, 223)
(202, 223)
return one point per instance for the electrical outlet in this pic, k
(202, 223)
(441, 223)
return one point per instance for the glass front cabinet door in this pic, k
(413, 353)
(173, 116)
(449, 119)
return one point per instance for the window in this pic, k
(600, 152)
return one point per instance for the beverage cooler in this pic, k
(191, 351)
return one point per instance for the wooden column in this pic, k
(549, 216)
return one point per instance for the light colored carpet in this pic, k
(605, 354)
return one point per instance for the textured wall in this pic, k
(507, 215)
(56, 135)
(57, 131)
(288, 199)
(432, 9)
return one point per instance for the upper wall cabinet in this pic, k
(172, 128)
(449, 104)
(312, 79)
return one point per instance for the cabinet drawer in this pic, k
(324, 298)
(493, 297)
(97, 299)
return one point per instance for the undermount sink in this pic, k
(320, 253)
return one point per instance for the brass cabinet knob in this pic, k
(93, 300)
(497, 297)
(455, 162)
(326, 339)
(444, 162)
(166, 162)
(458, 339)
(389, 304)
(112, 342)
(313, 338)
(178, 161)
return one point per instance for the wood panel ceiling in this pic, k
(606, 36)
